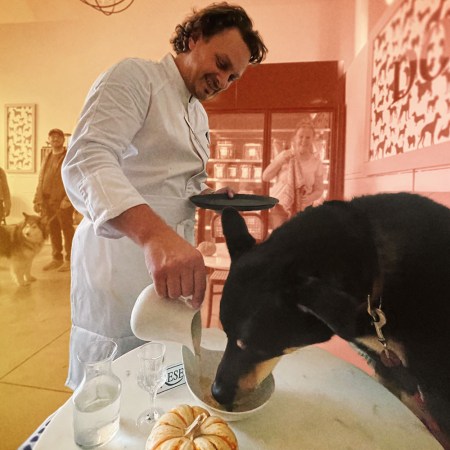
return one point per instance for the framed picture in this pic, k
(410, 82)
(20, 138)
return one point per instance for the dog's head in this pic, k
(271, 305)
(33, 229)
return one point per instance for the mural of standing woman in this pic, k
(298, 175)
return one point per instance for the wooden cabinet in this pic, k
(257, 117)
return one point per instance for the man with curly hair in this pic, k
(137, 154)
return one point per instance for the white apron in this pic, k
(117, 294)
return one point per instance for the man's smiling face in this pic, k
(211, 65)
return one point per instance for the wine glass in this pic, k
(151, 376)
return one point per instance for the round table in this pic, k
(320, 402)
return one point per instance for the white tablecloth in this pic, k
(320, 402)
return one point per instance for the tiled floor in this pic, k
(34, 337)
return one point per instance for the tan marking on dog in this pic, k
(259, 373)
(291, 350)
(262, 370)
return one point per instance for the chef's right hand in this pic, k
(177, 268)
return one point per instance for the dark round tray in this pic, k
(241, 202)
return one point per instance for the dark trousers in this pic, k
(60, 224)
(2, 212)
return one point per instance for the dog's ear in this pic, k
(338, 310)
(25, 215)
(235, 230)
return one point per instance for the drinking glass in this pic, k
(151, 376)
(96, 401)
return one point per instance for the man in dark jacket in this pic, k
(5, 197)
(53, 204)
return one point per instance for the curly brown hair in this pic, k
(214, 19)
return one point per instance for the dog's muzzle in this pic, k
(223, 394)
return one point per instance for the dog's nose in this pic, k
(223, 394)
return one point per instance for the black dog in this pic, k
(375, 271)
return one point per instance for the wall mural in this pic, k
(20, 138)
(410, 86)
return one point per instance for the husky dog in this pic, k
(20, 243)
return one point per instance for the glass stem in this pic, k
(153, 404)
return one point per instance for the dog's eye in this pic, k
(258, 352)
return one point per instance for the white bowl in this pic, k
(200, 373)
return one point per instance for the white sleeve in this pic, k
(115, 110)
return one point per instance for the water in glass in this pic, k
(97, 399)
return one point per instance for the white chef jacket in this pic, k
(141, 138)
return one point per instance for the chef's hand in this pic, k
(224, 190)
(177, 268)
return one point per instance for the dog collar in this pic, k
(387, 356)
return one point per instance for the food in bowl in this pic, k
(200, 372)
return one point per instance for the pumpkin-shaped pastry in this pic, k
(191, 428)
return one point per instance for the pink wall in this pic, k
(51, 52)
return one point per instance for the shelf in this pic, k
(259, 130)
(236, 161)
(235, 180)
(234, 130)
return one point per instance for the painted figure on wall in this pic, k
(410, 97)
